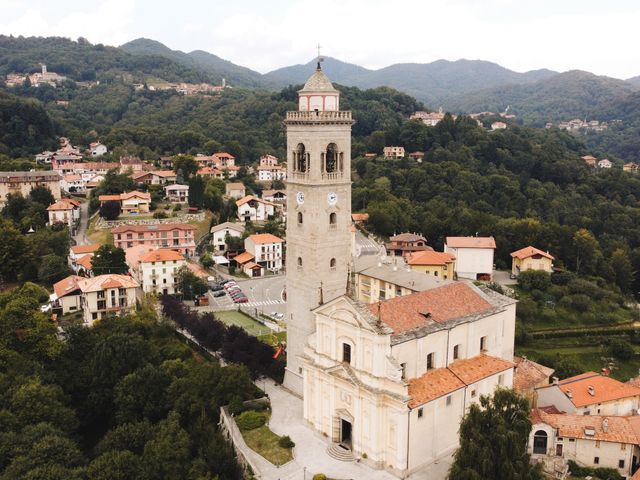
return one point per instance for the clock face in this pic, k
(300, 198)
(332, 198)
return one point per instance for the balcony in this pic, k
(318, 116)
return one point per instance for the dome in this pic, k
(319, 82)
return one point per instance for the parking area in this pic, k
(265, 295)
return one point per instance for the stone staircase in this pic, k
(341, 453)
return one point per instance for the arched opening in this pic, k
(540, 442)
(299, 261)
(299, 218)
(333, 218)
(331, 158)
(300, 158)
(332, 263)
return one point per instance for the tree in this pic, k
(587, 251)
(167, 454)
(13, 250)
(186, 164)
(52, 269)
(196, 191)
(42, 195)
(109, 259)
(622, 269)
(189, 284)
(534, 280)
(115, 465)
(110, 210)
(206, 260)
(493, 440)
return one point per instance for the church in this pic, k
(386, 383)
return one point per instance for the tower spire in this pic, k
(319, 57)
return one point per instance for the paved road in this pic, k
(81, 235)
(366, 246)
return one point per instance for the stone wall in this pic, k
(183, 218)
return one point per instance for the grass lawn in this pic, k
(100, 236)
(233, 317)
(265, 443)
(202, 228)
(273, 339)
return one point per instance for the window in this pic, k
(300, 158)
(299, 261)
(346, 353)
(403, 366)
(483, 344)
(333, 218)
(299, 218)
(420, 412)
(430, 361)
(620, 463)
(332, 263)
(456, 352)
(331, 158)
(473, 393)
(448, 402)
(596, 460)
(572, 440)
(94, 316)
(435, 273)
(623, 446)
(597, 443)
(501, 379)
(540, 442)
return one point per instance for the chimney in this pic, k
(554, 380)
(592, 391)
(569, 394)
(605, 425)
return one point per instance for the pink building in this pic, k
(177, 236)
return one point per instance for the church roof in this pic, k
(319, 82)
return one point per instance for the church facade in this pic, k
(387, 382)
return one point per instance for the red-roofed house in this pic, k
(130, 202)
(106, 295)
(158, 269)
(65, 211)
(438, 264)
(474, 256)
(266, 249)
(177, 236)
(253, 209)
(403, 244)
(531, 258)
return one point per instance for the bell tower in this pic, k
(318, 213)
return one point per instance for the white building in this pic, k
(266, 249)
(253, 209)
(594, 441)
(275, 196)
(77, 255)
(591, 394)
(66, 295)
(97, 149)
(158, 270)
(106, 295)
(177, 193)
(73, 183)
(219, 234)
(474, 256)
(498, 126)
(394, 152)
(65, 211)
(605, 163)
(235, 190)
(269, 173)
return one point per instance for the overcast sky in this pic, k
(598, 36)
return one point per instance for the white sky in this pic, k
(598, 36)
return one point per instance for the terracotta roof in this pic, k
(442, 381)
(439, 305)
(109, 198)
(66, 286)
(85, 261)
(164, 173)
(270, 193)
(471, 242)
(197, 270)
(426, 257)
(407, 237)
(605, 389)
(72, 177)
(264, 238)
(209, 171)
(159, 227)
(238, 227)
(528, 374)
(359, 217)
(78, 249)
(63, 204)
(162, 255)
(248, 198)
(252, 265)
(111, 280)
(244, 257)
(606, 429)
(235, 186)
(134, 254)
(530, 251)
(135, 194)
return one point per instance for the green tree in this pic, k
(13, 251)
(109, 259)
(189, 284)
(206, 260)
(534, 280)
(116, 465)
(52, 269)
(42, 195)
(142, 394)
(196, 191)
(110, 210)
(587, 251)
(622, 270)
(187, 164)
(493, 440)
(166, 455)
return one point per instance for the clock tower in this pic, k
(318, 211)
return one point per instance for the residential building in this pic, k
(529, 375)
(246, 263)
(474, 256)
(177, 193)
(269, 173)
(66, 295)
(438, 264)
(595, 441)
(79, 252)
(377, 279)
(266, 249)
(268, 161)
(498, 126)
(155, 177)
(73, 183)
(135, 165)
(531, 258)
(24, 182)
(591, 394)
(211, 172)
(177, 236)
(219, 234)
(404, 244)
(417, 156)
(590, 160)
(275, 196)
(430, 119)
(158, 270)
(235, 190)
(65, 211)
(605, 163)
(106, 295)
(130, 202)
(253, 209)
(97, 149)
(630, 167)
(393, 152)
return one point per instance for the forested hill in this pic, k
(561, 97)
(25, 126)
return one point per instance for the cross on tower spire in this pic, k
(319, 57)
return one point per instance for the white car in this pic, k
(45, 308)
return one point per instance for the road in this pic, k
(264, 294)
(366, 246)
(81, 235)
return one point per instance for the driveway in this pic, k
(81, 234)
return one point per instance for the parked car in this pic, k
(227, 286)
(224, 282)
(214, 287)
(237, 295)
(219, 293)
(241, 300)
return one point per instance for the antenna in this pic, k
(320, 59)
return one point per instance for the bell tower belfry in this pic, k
(318, 213)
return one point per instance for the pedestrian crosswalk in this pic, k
(262, 303)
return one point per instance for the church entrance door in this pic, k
(345, 433)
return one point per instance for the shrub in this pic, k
(286, 442)
(110, 210)
(319, 476)
(534, 279)
(160, 214)
(580, 302)
(620, 349)
(236, 406)
(601, 473)
(177, 207)
(250, 420)
(561, 278)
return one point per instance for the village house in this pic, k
(177, 236)
(65, 211)
(275, 196)
(132, 164)
(377, 279)
(177, 193)
(418, 156)
(529, 375)
(531, 258)
(605, 163)
(219, 234)
(155, 177)
(393, 152)
(211, 172)
(498, 126)
(403, 244)
(253, 209)
(105, 295)
(595, 441)
(271, 173)
(72, 183)
(438, 264)
(631, 167)
(84, 169)
(66, 295)
(590, 394)
(80, 256)
(235, 190)
(130, 202)
(474, 256)
(590, 160)
(430, 119)
(24, 182)
(247, 265)
(97, 149)
(156, 269)
(266, 249)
